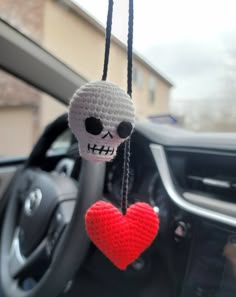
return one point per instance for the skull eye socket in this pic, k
(124, 129)
(93, 125)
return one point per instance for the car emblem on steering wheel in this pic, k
(32, 202)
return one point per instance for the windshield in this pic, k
(185, 60)
(193, 43)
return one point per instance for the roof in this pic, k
(96, 24)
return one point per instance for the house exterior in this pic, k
(72, 35)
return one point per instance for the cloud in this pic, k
(194, 67)
(206, 114)
(192, 43)
(204, 75)
(228, 39)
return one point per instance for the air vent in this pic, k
(173, 165)
(208, 174)
(217, 188)
(215, 183)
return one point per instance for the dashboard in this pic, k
(145, 184)
(193, 190)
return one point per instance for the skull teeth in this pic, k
(102, 150)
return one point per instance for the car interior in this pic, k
(188, 178)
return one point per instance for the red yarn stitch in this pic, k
(122, 238)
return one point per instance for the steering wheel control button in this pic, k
(52, 240)
(32, 202)
(57, 225)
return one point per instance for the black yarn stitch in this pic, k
(126, 166)
(108, 39)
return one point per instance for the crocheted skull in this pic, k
(101, 116)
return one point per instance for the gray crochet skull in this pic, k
(101, 116)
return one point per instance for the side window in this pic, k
(152, 90)
(24, 113)
(137, 77)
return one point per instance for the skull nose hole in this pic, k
(108, 133)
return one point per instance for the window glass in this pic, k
(137, 77)
(152, 90)
(187, 46)
(24, 113)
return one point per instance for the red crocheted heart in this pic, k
(122, 238)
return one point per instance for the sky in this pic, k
(193, 43)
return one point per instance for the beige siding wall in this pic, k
(16, 131)
(72, 40)
(50, 110)
(80, 45)
(162, 98)
(141, 93)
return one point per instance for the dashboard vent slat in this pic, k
(208, 174)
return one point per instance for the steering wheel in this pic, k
(43, 228)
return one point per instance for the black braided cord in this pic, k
(126, 166)
(108, 39)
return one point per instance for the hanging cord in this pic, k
(130, 48)
(126, 166)
(108, 39)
